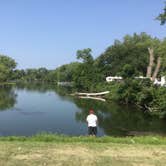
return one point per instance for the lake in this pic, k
(30, 109)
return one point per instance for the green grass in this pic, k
(48, 137)
(80, 154)
(50, 150)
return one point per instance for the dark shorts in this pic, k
(92, 130)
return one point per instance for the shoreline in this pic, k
(7, 83)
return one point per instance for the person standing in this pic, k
(92, 121)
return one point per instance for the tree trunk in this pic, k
(156, 69)
(151, 62)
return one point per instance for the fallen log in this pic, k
(94, 98)
(92, 94)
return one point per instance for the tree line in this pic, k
(133, 51)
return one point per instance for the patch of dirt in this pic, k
(28, 156)
(136, 152)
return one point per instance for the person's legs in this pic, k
(94, 131)
(90, 130)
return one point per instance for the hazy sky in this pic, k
(47, 33)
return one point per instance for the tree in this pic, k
(8, 62)
(4, 72)
(41, 74)
(162, 16)
(85, 55)
(151, 64)
(18, 74)
(128, 71)
(7, 65)
(66, 72)
(133, 50)
(87, 74)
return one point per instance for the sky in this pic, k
(48, 33)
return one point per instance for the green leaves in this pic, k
(133, 50)
(128, 71)
(162, 16)
(85, 55)
(7, 65)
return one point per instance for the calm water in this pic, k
(27, 110)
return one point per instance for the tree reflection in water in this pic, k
(7, 97)
(120, 120)
(115, 119)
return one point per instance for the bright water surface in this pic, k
(28, 110)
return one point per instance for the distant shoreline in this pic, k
(7, 83)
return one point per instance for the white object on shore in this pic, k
(111, 78)
(156, 82)
(161, 83)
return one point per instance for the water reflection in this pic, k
(42, 107)
(114, 119)
(119, 120)
(39, 87)
(7, 98)
(44, 87)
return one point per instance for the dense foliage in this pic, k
(132, 50)
(7, 65)
(141, 93)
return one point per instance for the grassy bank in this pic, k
(45, 137)
(7, 83)
(52, 150)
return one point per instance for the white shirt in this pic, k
(92, 120)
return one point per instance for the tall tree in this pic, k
(133, 50)
(87, 74)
